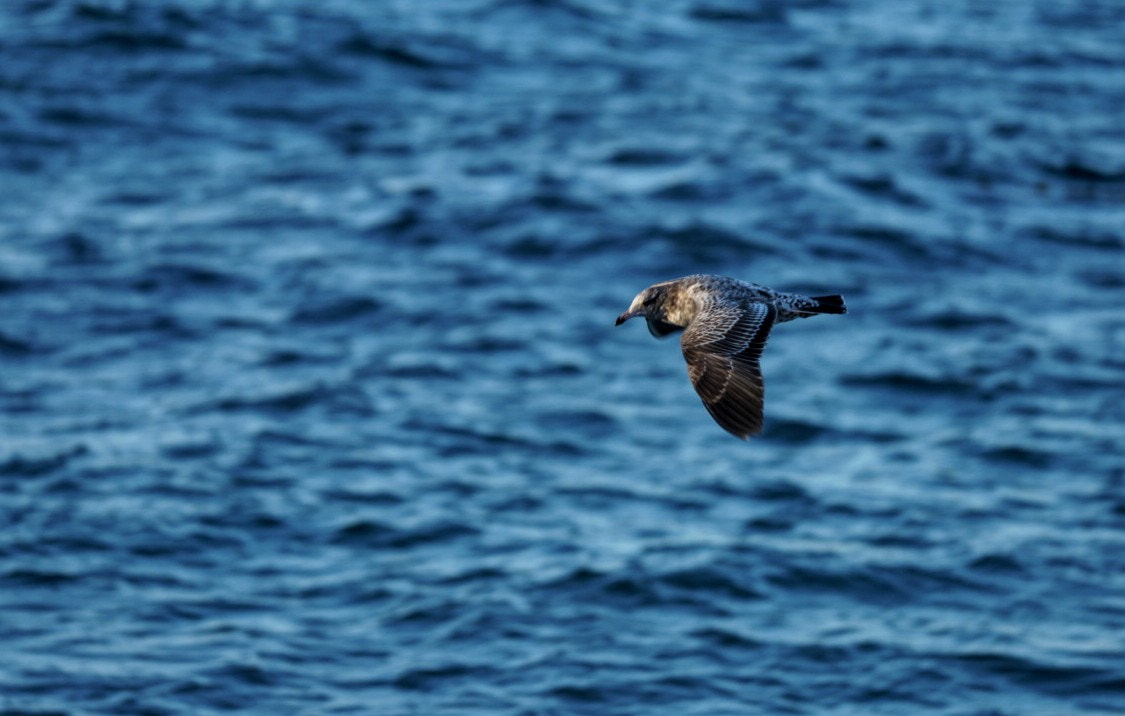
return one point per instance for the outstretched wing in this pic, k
(722, 347)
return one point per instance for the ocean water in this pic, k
(311, 400)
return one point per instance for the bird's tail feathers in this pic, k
(829, 304)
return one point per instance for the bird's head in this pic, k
(661, 306)
(649, 303)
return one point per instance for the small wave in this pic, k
(1044, 677)
(75, 247)
(34, 466)
(727, 638)
(242, 673)
(430, 54)
(126, 322)
(586, 580)
(189, 447)
(380, 535)
(461, 440)
(1104, 278)
(756, 12)
(15, 346)
(581, 693)
(795, 432)
(911, 382)
(707, 243)
(885, 187)
(74, 116)
(429, 678)
(903, 243)
(587, 423)
(700, 586)
(335, 310)
(712, 580)
(519, 305)
(994, 563)
(530, 247)
(644, 157)
(9, 284)
(779, 491)
(1019, 455)
(1085, 237)
(288, 356)
(286, 400)
(190, 277)
(1083, 170)
(878, 584)
(37, 577)
(957, 320)
(425, 368)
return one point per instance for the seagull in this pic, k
(725, 324)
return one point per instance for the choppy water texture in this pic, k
(311, 400)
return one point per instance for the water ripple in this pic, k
(311, 399)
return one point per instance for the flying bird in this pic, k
(725, 324)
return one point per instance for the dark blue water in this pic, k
(311, 400)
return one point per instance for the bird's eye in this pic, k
(650, 300)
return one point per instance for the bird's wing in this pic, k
(722, 347)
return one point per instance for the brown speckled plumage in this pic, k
(725, 324)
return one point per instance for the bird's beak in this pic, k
(625, 317)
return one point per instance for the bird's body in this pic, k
(725, 324)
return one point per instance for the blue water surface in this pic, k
(311, 400)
